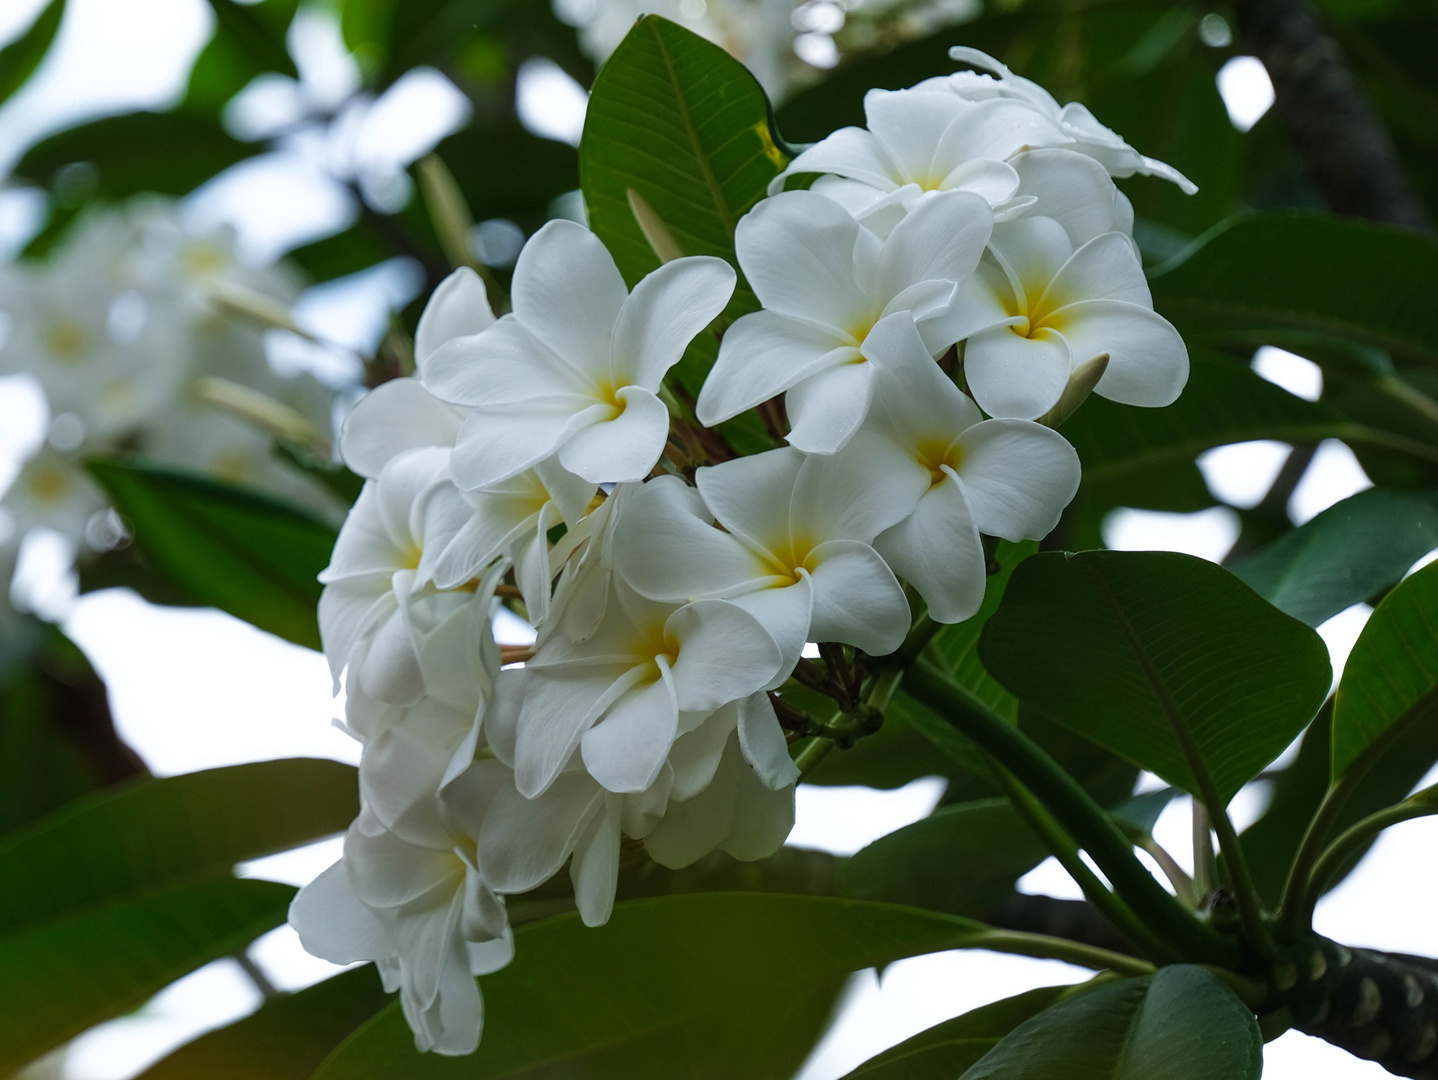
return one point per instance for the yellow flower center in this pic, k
(50, 484)
(64, 340)
(934, 454)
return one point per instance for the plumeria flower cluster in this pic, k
(960, 275)
(123, 329)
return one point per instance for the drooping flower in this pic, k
(575, 369)
(824, 281)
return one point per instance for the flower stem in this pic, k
(1055, 948)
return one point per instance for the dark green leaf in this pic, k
(62, 976)
(286, 1040)
(249, 41)
(21, 57)
(1390, 682)
(963, 859)
(170, 153)
(505, 171)
(1315, 272)
(239, 551)
(1167, 660)
(1351, 552)
(1179, 1024)
(699, 986)
(947, 1049)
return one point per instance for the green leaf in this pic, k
(1306, 271)
(700, 986)
(59, 978)
(21, 57)
(171, 153)
(686, 126)
(946, 1050)
(249, 41)
(1390, 682)
(1351, 552)
(1179, 1024)
(535, 170)
(962, 859)
(287, 1039)
(1165, 659)
(239, 551)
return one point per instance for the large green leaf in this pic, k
(287, 1039)
(701, 986)
(1178, 1024)
(1390, 682)
(1314, 272)
(21, 57)
(686, 126)
(62, 976)
(239, 551)
(962, 859)
(1165, 659)
(1349, 553)
(945, 1050)
(249, 40)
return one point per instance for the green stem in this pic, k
(1055, 948)
(1062, 796)
(1420, 804)
(1291, 909)
(1250, 907)
(808, 758)
(1062, 847)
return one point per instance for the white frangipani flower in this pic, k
(1074, 190)
(1064, 307)
(794, 550)
(650, 673)
(1081, 131)
(576, 368)
(824, 281)
(928, 448)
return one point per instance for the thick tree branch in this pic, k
(1334, 130)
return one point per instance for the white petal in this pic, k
(389, 873)
(827, 408)
(364, 545)
(724, 654)
(595, 869)
(750, 496)
(851, 152)
(394, 417)
(348, 610)
(997, 129)
(571, 494)
(390, 669)
(1073, 189)
(797, 252)
(762, 355)
(762, 819)
(524, 842)
(1147, 361)
(762, 740)
(910, 125)
(623, 448)
(695, 755)
(941, 239)
(399, 778)
(568, 293)
(856, 599)
(938, 551)
(1018, 477)
(1031, 250)
(335, 925)
(993, 181)
(917, 401)
(785, 613)
(1106, 268)
(459, 1007)
(860, 491)
(496, 445)
(558, 708)
(1012, 375)
(626, 749)
(503, 365)
(693, 828)
(459, 307)
(664, 313)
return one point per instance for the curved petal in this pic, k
(558, 709)
(941, 239)
(1018, 477)
(695, 756)
(938, 551)
(1147, 360)
(851, 152)
(390, 669)
(627, 748)
(1106, 268)
(568, 293)
(394, 417)
(497, 445)
(910, 125)
(335, 924)
(458, 307)
(762, 355)
(1032, 250)
(501, 366)
(664, 313)
(1072, 188)
(595, 869)
(856, 599)
(993, 181)
(348, 610)
(388, 873)
(785, 613)
(624, 447)
(750, 496)
(364, 545)
(797, 252)
(1013, 375)
(763, 743)
(827, 408)
(694, 827)
(724, 654)
(860, 491)
(762, 820)
(524, 842)
(997, 129)
(917, 401)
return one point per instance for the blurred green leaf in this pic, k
(708, 985)
(962, 859)
(21, 57)
(249, 40)
(1180, 1024)
(945, 1050)
(1165, 659)
(1350, 553)
(1303, 271)
(170, 153)
(239, 551)
(505, 171)
(286, 1039)
(1390, 682)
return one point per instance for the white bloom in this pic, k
(927, 447)
(794, 549)
(1081, 131)
(53, 491)
(1064, 307)
(650, 673)
(576, 368)
(1074, 190)
(824, 281)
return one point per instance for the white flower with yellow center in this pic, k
(575, 369)
(1063, 307)
(824, 281)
